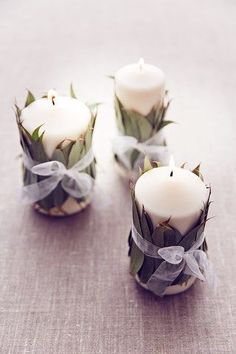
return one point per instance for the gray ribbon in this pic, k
(76, 183)
(121, 144)
(193, 262)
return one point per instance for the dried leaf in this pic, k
(72, 92)
(197, 172)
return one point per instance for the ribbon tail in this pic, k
(84, 162)
(164, 276)
(121, 144)
(192, 266)
(207, 268)
(79, 185)
(37, 191)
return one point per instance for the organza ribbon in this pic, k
(76, 183)
(193, 262)
(121, 144)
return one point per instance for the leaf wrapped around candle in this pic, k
(142, 267)
(68, 152)
(143, 128)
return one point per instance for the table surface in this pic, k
(65, 285)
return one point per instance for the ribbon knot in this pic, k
(193, 260)
(76, 183)
(121, 144)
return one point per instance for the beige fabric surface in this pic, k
(64, 284)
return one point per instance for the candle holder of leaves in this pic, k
(139, 136)
(162, 260)
(63, 199)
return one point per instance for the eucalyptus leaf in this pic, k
(18, 113)
(147, 165)
(136, 217)
(59, 156)
(136, 259)
(145, 227)
(35, 135)
(29, 99)
(147, 269)
(164, 123)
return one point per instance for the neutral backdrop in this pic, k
(64, 284)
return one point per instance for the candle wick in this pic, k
(53, 100)
(171, 174)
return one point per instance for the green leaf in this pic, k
(131, 127)
(118, 115)
(136, 259)
(147, 166)
(59, 196)
(76, 152)
(158, 237)
(18, 113)
(29, 99)
(137, 125)
(35, 135)
(151, 117)
(171, 236)
(28, 177)
(72, 92)
(136, 217)
(146, 233)
(37, 151)
(164, 123)
(58, 156)
(189, 239)
(147, 269)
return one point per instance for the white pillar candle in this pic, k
(63, 117)
(172, 192)
(140, 87)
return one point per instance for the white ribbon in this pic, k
(175, 260)
(76, 183)
(121, 144)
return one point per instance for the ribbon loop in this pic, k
(49, 168)
(76, 183)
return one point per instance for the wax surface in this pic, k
(179, 198)
(140, 87)
(67, 119)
